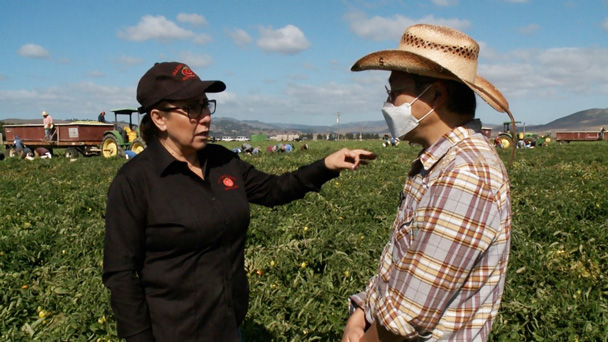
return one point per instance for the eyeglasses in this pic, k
(194, 111)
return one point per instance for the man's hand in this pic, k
(355, 327)
(348, 159)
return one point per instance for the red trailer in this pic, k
(78, 138)
(487, 131)
(569, 136)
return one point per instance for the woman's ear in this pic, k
(159, 119)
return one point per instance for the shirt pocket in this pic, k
(401, 240)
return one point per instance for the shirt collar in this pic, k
(435, 152)
(163, 159)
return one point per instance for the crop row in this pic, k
(305, 258)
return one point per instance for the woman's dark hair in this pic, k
(147, 128)
(461, 98)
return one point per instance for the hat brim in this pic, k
(197, 88)
(408, 62)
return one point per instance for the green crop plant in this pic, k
(304, 259)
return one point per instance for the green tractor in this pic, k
(115, 142)
(505, 138)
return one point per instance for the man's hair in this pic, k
(461, 98)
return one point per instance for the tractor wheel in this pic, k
(109, 147)
(505, 142)
(71, 153)
(138, 145)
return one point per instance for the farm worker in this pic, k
(42, 153)
(102, 117)
(18, 145)
(47, 121)
(27, 154)
(442, 273)
(177, 216)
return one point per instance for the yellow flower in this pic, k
(303, 265)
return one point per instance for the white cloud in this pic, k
(309, 66)
(297, 77)
(201, 39)
(82, 100)
(381, 28)
(287, 40)
(196, 61)
(528, 29)
(126, 60)
(239, 37)
(551, 73)
(159, 28)
(33, 51)
(96, 74)
(194, 19)
(445, 2)
(605, 24)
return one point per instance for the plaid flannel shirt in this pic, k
(442, 273)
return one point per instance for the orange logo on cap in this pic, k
(185, 70)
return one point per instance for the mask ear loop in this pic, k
(424, 91)
(430, 111)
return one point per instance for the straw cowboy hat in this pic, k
(439, 52)
(44, 113)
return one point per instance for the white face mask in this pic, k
(399, 119)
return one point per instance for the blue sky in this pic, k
(289, 61)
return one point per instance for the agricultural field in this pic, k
(305, 258)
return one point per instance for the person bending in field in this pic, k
(177, 216)
(442, 273)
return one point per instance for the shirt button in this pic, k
(212, 199)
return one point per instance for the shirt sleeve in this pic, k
(123, 259)
(270, 190)
(430, 256)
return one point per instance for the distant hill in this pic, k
(586, 120)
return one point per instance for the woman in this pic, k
(177, 216)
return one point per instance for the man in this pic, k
(442, 273)
(18, 144)
(102, 117)
(48, 125)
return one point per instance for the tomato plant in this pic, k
(305, 258)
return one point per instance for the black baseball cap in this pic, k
(172, 81)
